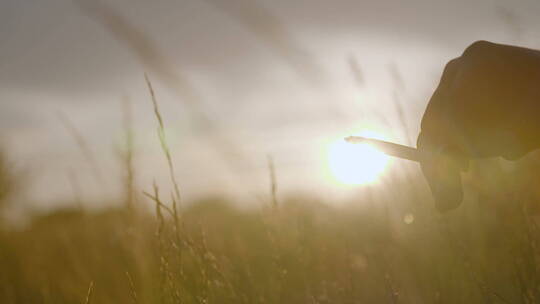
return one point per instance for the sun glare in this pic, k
(355, 164)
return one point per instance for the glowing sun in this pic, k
(355, 164)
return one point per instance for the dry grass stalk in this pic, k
(206, 262)
(176, 189)
(273, 183)
(133, 292)
(273, 226)
(167, 281)
(209, 259)
(89, 293)
(164, 146)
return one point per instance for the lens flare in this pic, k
(355, 164)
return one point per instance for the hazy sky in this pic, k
(237, 80)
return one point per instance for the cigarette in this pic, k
(388, 148)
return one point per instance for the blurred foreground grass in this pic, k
(304, 251)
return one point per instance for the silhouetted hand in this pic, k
(487, 104)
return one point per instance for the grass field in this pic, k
(303, 252)
(396, 249)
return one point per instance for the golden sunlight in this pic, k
(355, 164)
